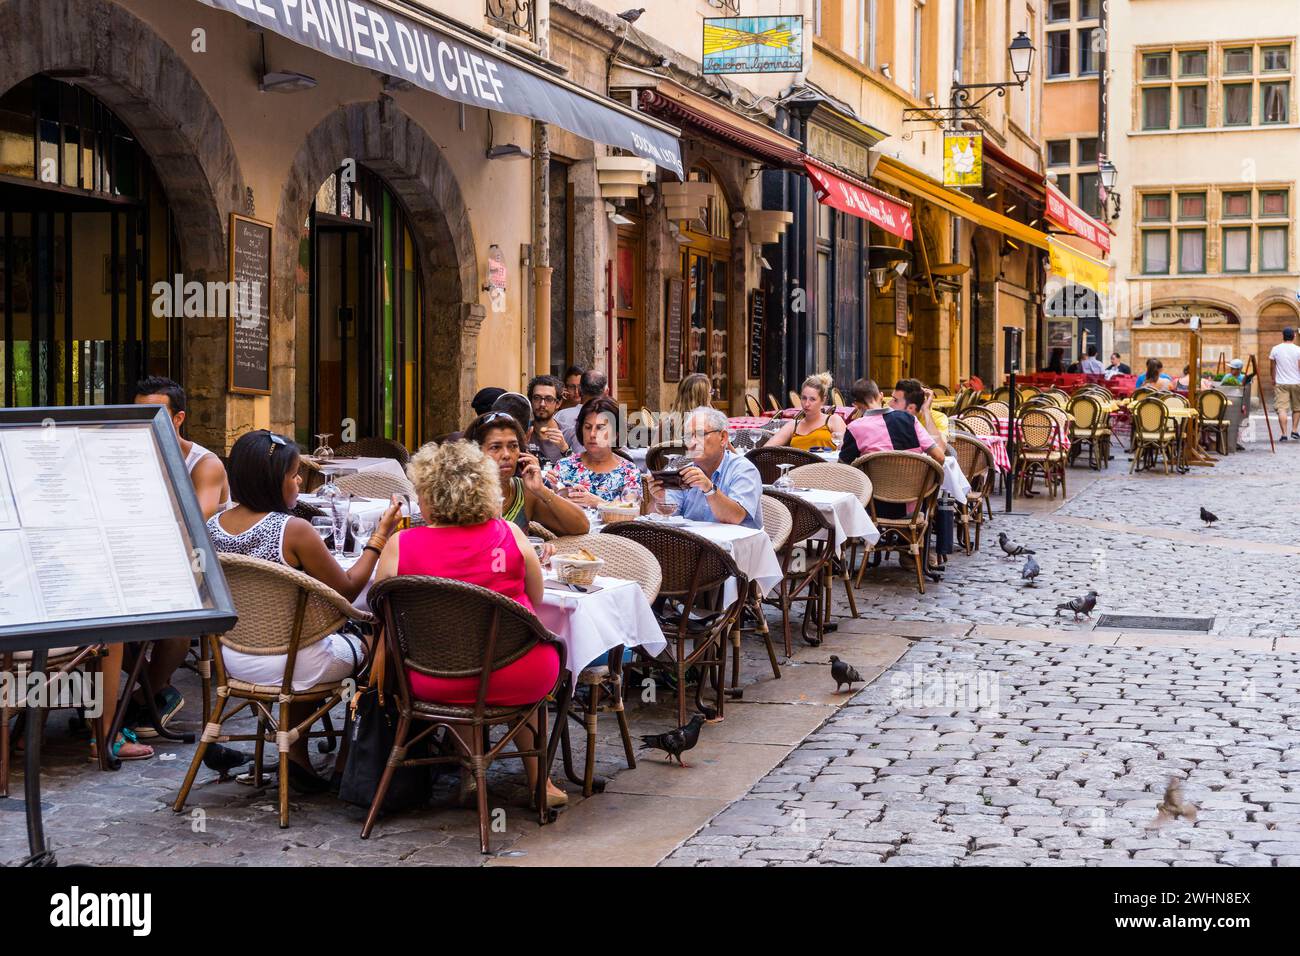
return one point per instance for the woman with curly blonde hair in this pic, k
(466, 539)
(813, 428)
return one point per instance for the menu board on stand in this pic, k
(249, 306)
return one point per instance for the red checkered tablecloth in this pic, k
(998, 445)
(735, 424)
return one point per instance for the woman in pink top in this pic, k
(467, 540)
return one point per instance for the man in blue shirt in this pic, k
(719, 485)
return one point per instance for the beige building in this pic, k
(1204, 133)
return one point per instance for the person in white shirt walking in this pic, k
(1285, 361)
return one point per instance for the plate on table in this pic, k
(663, 519)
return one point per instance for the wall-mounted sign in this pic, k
(673, 329)
(496, 284)
(757, 321)
(753, 44)
(831, 147)
(1183, 315)
(963, 159)
(900, 305)
(248, 350)
(1067, 215)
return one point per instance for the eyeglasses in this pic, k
(545, 400)
(691, 436)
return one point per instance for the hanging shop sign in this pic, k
(830, 147)
(900, 305)
(963, 159)
(459, 67)
(1183, 315)
(753, 44)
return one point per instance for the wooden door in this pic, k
(629, 316)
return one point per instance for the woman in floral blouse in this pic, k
(597, 475)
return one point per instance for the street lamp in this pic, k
(1109, 177)
(1021, 52)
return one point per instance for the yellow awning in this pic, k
(893, 171)
(1073, 266)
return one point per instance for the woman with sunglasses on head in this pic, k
(525, 496)
(813, 427)
(263, 472)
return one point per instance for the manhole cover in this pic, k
(1146, 622)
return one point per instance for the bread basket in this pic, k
(572, 569)
(617, 511)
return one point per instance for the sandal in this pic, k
(126, 747)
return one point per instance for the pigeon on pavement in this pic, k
(223, 760)
(844, 673)
(1030, 571)
(1012, 550)
(1209, 517)
(1173, 806)
(1080, 605)
(675, 742)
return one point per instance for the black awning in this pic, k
(457, 66)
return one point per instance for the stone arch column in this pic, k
(378, 135)
(119, 58)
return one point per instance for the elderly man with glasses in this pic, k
(718, 485)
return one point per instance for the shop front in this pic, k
(1164, 332)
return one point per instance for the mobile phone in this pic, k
(670, 479)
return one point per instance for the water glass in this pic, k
(324, 526)
(783, 483)
(340, 509)
(362, 528)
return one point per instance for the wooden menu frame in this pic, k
(674, 328)
(234, 383)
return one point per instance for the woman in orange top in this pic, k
(813, 427)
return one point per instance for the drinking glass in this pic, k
(362, 528)
(323, 451)
(324, 526)
(340, 507)
(784, 483)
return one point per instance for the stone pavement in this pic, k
(1044, 742)
(1032, 740)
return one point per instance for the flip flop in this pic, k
(126, 747)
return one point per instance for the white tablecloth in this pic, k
(954, 482)
(750, 548)
(845, 512)
(369, 508)
(591, 625)
(351, 466)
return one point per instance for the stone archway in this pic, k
(381, 137)
(122, 61)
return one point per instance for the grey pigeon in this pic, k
(223, 760)
(1080, 605)
(675, 742)
(633, 15)
(1030, 571)
(844, 673)
(1173, 806)
(1012, 550)
(1209, 517)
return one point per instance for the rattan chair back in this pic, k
(837, 398)
(752, 406)
(1212, 405)
(806, 521)
(1037, 429)
(900, 477)
(1150, 418)
(624, 559)
(267, 599)
(376, 484)
(656, 459)
(1175, 400)
(689, 564)
(747, 439)
(794, 398)
(998, 409)
(833, 476)
(1086, 412)
(1002, 393)
(768, 459)
(977, 422)
(942, 391)
(374, 448)
(1029, 391)
(776, 520)
(772, 404)
(973, 456)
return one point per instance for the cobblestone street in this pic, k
(984, 749)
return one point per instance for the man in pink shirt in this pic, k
(892, 429)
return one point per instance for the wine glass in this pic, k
(324, 526)
(340, 508)
(323, 451)
(362, 528)
(783, 483)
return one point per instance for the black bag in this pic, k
(945, 525)
(371, 738)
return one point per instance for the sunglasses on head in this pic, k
(275, 440)
(496, 417)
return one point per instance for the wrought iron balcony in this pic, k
(514, 16)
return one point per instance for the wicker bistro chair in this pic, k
(806, 564)
(489, 632)
(1213, 406)
(1175, 400)
(772, 404)
(833, 476)
(907, 479)
(837, 398)
(769, 458)
(1059, 396)
(281, 611)
(977, 422)
(752, 406)
(630, 561)
(1089, 425)
(1154, 435)
(1040, 452)
(941, 391)
(976, 462)
(794, 398)
(997, 409)
(374, 448)
(376, 484)
(657, 457)
(694, 570)
(1029, 391)
(747, 439)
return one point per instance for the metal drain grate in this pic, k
(1147, 622)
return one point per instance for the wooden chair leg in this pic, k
(480, 779)
(544, 813)
(623, 731)
(397, 754)
(215, 721)
(919, 557)
(589, 768)
(259, 749)
(283, 749)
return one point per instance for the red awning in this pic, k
(1063, 213)
(769, 153)
(858, 199)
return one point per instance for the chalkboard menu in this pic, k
(249, 306)
(673, 329)
(757, 315)
(900, 305)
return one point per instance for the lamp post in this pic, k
(1109, 177)
(1021, 54)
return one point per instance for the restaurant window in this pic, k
(1191, 250)
(1236, 205)
(1087, 150)
(1236, 250)
(1192, 63)
(1274, 102)
(1155, 251)
(1239, 60)
(1089, 199)
(706, 268)
(1155, 66)
(1236, 104)
(1191, 107)
(1058, 10)
(1063, 183)
(1058, 53)
(1087, 51)
(1272, 248)
(1275, 59)
(1191, 206)
(1155, 207)
(1155, 107)
(85, 232)
(1058, 152)
(1272, 202)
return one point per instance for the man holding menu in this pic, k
(213, 490)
